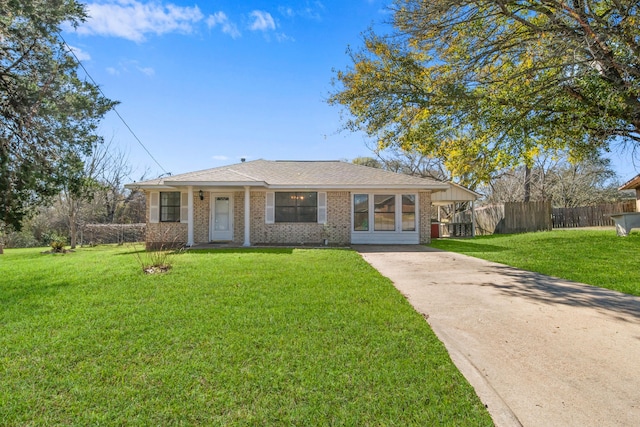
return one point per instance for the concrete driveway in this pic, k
(539, 351)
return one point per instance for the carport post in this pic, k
(473, 219)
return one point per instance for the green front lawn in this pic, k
(596, 257)
(228, 337)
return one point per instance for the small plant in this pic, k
(58, 244)
(155, 261)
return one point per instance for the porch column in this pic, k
(190, 216)
(247, 216)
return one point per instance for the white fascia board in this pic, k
(216, 183)
(135, 186)
(434, 188)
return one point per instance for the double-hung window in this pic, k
(170, 206)
(296, 207)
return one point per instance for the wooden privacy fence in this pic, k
(590, 216)
(514, 217)
(520, 217)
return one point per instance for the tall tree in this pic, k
(556, 179)
(46, 110)
(489, 84)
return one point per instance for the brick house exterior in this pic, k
(289, 203)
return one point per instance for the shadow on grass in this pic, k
(234, 250)
(251, 250)
(35, 290)
(553, 291)
(463, 246)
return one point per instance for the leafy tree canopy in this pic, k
(487, 85)
(47, 112)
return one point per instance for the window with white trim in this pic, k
(384, 212)
(408, 212)
(296, 206)
(361, 212)
(170, 206)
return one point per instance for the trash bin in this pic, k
(435, 230)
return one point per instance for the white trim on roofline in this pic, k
(155, 187)
(381, 187)
(172, 185)
(216, 183)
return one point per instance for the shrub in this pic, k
(155, 261)
(58, 244)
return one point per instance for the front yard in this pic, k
(595, 257)
(228, 337)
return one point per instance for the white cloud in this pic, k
(148, 71)
(221, 19)
(129, 66)
(133, 19)
(286, 11)
(282, 37)
(262, 21)
(311, 10)
(80, 54)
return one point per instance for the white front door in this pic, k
(221, 217)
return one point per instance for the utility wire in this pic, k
(114, 108)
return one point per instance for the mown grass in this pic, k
(227, 337)
(595, 257)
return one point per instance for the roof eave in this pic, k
(632, 184)
(216, 183)
(360, 187)
(168, 185)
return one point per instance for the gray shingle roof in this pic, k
(296, 174)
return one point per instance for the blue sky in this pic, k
(203, 84)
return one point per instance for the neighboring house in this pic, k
(633, 184)
(289, 202)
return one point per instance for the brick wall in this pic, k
(339, 217)
(164, 234)
(425, 216)
(336, 230)
(201, 217)
(238, 217)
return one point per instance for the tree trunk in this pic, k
(73, 229)
(527, 183)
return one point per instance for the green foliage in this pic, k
(47, 113)
(595, 257)
(154, 261)
(58, 244)
(367, 161)
(227, 337)
(488, 85)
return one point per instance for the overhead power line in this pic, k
(114, 108)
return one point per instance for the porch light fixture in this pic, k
(201, 194)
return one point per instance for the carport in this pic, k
(448, 222)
